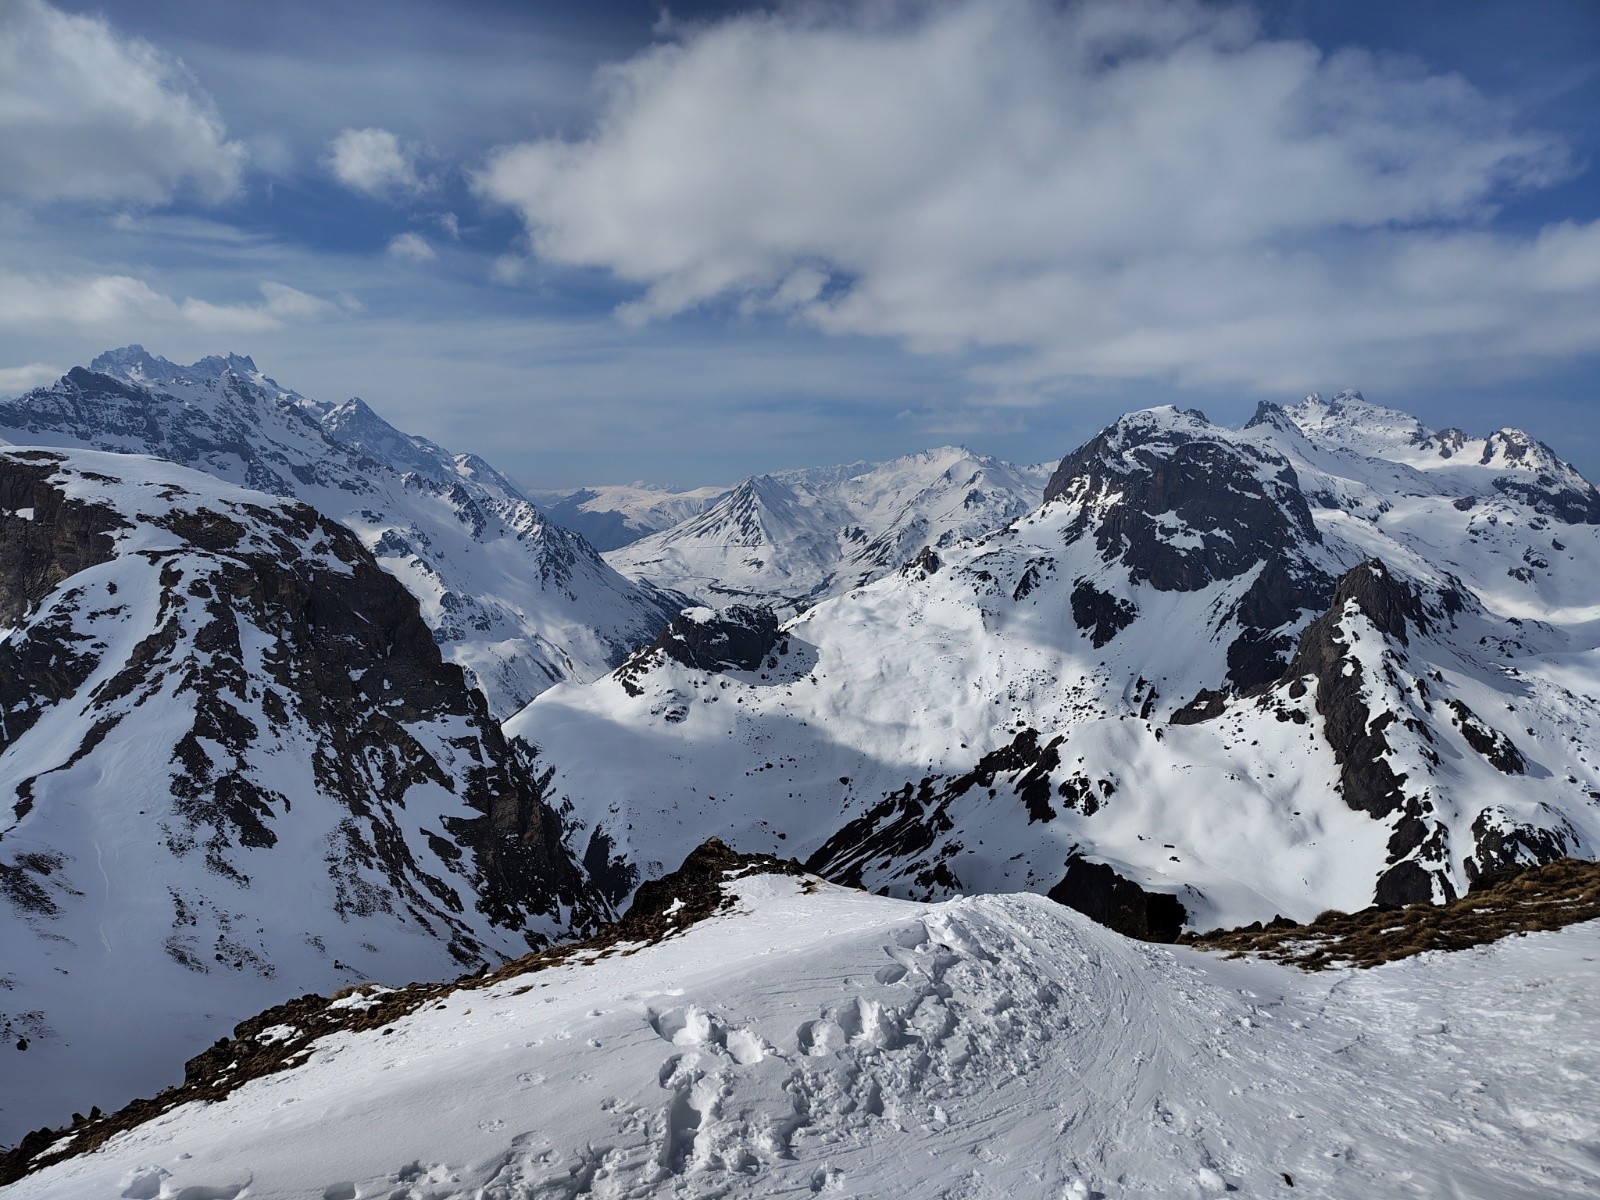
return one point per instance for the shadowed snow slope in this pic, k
(517, 601)
(792, 538)
(611, 516)
(234, 768)
(838, 1043)
(1261, 671)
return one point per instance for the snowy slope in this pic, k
(516, 600)
(235, 768)
(1255, 672)
(792, 538)
(837, 1043)
(611, 516)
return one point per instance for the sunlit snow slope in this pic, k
(1326, 659)
(516, 600)
(611, 516)
(234, 768)
(795, 537)
(840, 1044)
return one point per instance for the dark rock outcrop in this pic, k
(1496, 747)
(1182, 508)
(1100, 614)
(1501, 845)
(738, 638)
(1355, 733)
(1102, 895)
(350, 664)
(1285, 588)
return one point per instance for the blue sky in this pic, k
(603, 241)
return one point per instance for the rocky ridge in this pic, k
(1249, 672)
(517, 601)
(237, 766)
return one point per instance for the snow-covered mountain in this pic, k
(814, 1040)
(517, 601)
(795, 537)
(1218, 676)
(615, 515)
(237, 769)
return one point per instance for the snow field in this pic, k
(838, 1043)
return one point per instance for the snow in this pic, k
(838, 1043)
(917, 675)
(518, 602)
(792, 538)
(161, 930)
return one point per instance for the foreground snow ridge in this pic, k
(818, 1040)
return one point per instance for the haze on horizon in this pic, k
(597, 242)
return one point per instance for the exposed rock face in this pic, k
(1356, 733)
(1502, 844)
(517, 601)
(55, 541)
(738, 638)
(319, 796)
(1100, 894)
(1181, 506)
(1099, 614)
(911, 842)
(1271, 665)
(1286, 587)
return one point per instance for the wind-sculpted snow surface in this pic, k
(517, 601)
(1255, 672)
(793, 538)
(235, 768)
(818, 1041)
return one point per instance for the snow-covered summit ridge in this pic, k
(517, 601)
(791, 538)
(818, 1040)
(1255, 670)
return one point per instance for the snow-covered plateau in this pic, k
(815, 1040)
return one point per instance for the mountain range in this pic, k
(293, 702)
(789, 539)
(515, 599)
(1326, 659)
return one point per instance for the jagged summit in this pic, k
(792, 538)
(1299, 665)
(516, 601)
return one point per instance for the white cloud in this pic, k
(509, 269)
(14, 380)
(117, 301)
(373, 161)
(411, 247)
(91, 116)
(1147, 188)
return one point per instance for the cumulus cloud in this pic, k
(411, 247)
(374, 162)
(20, 379)
(1146, 188)
(91, 116)
(32, 301)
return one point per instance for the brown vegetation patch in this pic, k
(282, 1037)
(1500, 904)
